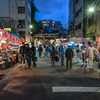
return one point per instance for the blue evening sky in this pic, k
(53, 9)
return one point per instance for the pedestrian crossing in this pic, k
(56, 89)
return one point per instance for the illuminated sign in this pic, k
(7, 29)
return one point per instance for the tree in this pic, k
(33, 12)
(37, 26)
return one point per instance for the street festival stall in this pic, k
(9, 44)
(74, 41)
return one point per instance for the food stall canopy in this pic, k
(15, 38)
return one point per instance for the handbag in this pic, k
(56, 58)
(35, 58)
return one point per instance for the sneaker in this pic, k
(85, 64)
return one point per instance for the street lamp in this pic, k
(31, 26)
(31, 32)
(91, 9)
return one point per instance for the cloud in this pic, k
(52, 9)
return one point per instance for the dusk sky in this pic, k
(53, 9)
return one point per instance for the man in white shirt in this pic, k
(90, 52)
(83, 52)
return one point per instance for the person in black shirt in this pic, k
(69, 56)
(22, 50)
(28, 54)
(33, 54)
(40, 51)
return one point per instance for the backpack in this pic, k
(56, 58)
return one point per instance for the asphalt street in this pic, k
(51, 83)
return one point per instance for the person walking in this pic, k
(83, 52)
(33, 54)
(59, 51)
(69, 56)
(77, 53)
(50, 48)
(62, 55)
(40, 51)
(22, 50)
(90, 53)
(47, 50)
(44, 51)
(28, 54)
(53, 56)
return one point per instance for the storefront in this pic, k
(9, 48)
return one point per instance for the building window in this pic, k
(46, 35)
(77, 1)
(91, 21)
(78, 27)
(45, 24)
(21, 23)
(21, 9)
(53, 24)
(79, 12)
(53, 21)
(51, 35)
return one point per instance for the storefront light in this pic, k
(3, 41)
(0, 33)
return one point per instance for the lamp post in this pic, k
(31, 26)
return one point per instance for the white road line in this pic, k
(75, 89)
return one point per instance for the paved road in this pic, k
(51, 83)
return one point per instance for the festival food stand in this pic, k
(9, 44)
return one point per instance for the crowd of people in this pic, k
(28, 54)
(84, 52)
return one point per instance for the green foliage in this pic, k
(33, 12)
(37, 26)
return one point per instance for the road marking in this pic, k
(75, 89)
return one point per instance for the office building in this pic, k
(71, 17)
(51, 28)
(78, 21)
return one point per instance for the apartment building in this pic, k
(8, 15)
(24, 17)
(16, 14)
